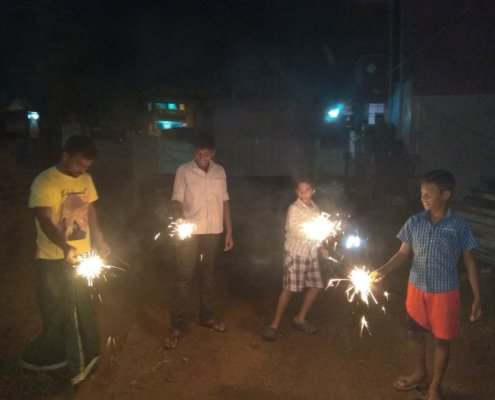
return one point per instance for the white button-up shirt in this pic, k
(296, 241)
(202, 195)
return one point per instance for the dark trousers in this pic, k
(201, 251)
(70, 332)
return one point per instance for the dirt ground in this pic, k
(335, 363)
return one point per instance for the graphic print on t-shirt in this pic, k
(73, 223)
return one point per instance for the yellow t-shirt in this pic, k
(69, 199)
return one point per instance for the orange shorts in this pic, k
(439, 313)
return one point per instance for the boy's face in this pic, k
(203, 157)
(305, 192)
(433, 198)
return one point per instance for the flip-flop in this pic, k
(402, 384)
(270, 333)
(304, 326)
(214, 326)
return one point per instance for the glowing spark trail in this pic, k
(359, 285)
(364, 324)
(182, 229)
(91, 267)
(321, 227)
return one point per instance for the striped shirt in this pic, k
(295, 239)
(436, 250)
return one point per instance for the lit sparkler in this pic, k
(90, 266)
(360, 286)
(321, 228)
(182, 229)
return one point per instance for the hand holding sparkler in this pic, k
(70, 254)
(377, 275)
(90, 266)
(321, 228)
(182, 229)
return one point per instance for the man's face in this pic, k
(203, 157)
(432, 197)
(76, 164)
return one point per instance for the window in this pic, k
(375, 110)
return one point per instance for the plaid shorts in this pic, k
(301, 272)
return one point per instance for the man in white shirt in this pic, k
(199, 196)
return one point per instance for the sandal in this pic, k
(270, 334)
(214, 326)
(304, 326)
(172, 340)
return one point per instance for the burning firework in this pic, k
(360, 286)
(321, 228)
(182, 229)
(364, 325)
(90, 266)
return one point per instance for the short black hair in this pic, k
(81, 144)
(296, 180)
(204, 140)
(440, 177)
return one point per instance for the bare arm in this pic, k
(44, 217)
(395, 261)
(96, 234)
(470, 263)
(227, 222)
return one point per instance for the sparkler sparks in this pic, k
(182, 229)
(90, 266)
(321, 227)
(360, 286)
(364, 324)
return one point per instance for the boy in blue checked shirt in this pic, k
(436, 237)
(301, 269)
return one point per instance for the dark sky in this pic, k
(73, 52)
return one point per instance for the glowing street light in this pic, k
(334, 113)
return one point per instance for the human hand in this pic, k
(229, 242)
(70, 255)
(377, 275)
(475, 311)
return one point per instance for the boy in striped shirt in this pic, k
(437, 238)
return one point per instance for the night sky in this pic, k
(76, 54)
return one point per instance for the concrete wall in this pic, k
(261, 138)
(455, 133)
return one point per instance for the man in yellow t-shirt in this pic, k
(62, 198)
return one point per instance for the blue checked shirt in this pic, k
(295, 238)
(436, 250)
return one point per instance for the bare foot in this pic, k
(172, 340)
(411, 382)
